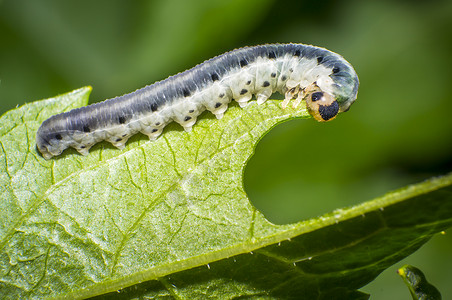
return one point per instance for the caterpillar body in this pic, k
(325, 80)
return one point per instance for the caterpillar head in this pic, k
(321, 105)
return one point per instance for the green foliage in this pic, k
(418, 285)
(174, 213)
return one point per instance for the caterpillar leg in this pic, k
(263, 96)
(152, 132)
(298, 99)
(261, 99)
(289, 95)
(188, 125)
(83, 149)
(243, 101)
(116, 141)
(219, 112)
(120, 145)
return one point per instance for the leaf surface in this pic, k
(174, 213)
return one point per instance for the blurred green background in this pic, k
(398, 132)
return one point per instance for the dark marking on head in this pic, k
(121, 120)
(243, 91)
(86, 128)
(191, 111)
(218, 104)
(118, 139)
(271, 55)
(82, 147)
(157, 124)
(154, 130)
(187, 118)
(186, 93)
(316, 96)
(291, 70)
(336, 70)
(266, 83)
(243, 63)
(58, 136)
(319, 59)
(328, 111)
(214, 76)
(248, 82)
(221, 95)
(154, 107)
(124, 135)
(297, 53)
(283, 78)
(273, 75)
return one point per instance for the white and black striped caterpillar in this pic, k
(326, 81)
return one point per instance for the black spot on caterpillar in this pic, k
(322, 78)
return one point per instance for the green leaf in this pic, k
(417, 284)
(174, 213)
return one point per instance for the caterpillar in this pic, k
(324, 79)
